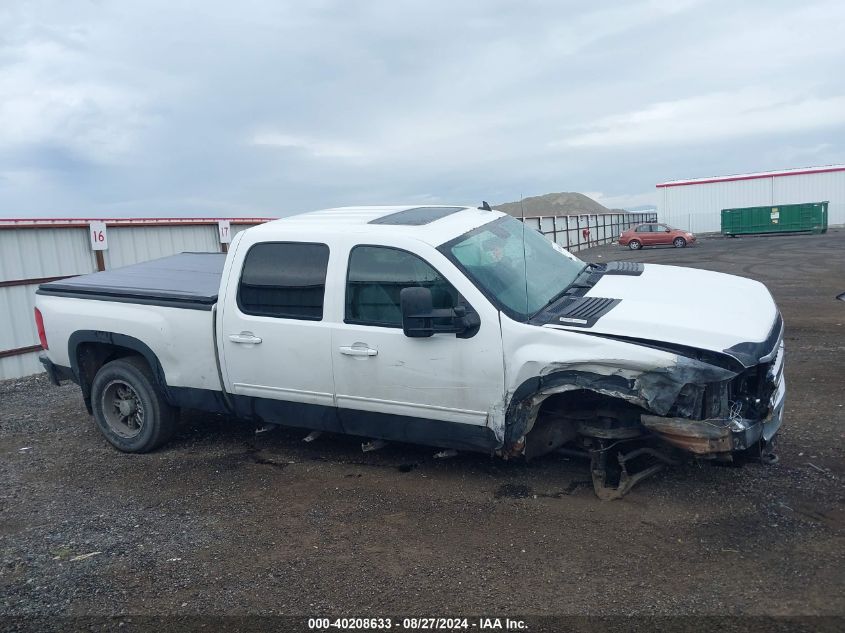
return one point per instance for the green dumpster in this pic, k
(809, 217)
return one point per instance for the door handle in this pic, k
(245, 337)
(359, 349)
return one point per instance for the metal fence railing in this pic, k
(577, 232)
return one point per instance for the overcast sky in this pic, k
(267, 108)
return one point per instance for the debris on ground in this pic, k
(373, 445)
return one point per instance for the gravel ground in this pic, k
(226, 521)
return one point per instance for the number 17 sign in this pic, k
(99, 239)
(225, 231)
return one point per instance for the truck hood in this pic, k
(686, 306)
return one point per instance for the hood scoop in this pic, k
(624, 268)
(577, 311)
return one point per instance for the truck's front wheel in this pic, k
(129, 408)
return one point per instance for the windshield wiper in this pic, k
(576, 283)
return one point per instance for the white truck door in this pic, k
(275, 341)
(378, 369)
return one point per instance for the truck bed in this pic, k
(187, 280)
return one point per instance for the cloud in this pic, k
(792, 154)
(712, 118)
(315, 147)
(45, 100)
(625, 200)
(208, 107)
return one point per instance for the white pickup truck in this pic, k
(454, 327)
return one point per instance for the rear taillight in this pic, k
(39, 323)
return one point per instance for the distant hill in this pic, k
(563, 203)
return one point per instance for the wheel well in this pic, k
(564, 416)
(90, 357)
(583, 404)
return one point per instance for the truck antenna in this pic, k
(524, 259)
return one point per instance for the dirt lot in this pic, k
(226, 521)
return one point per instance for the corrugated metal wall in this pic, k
(796, 189)
(133, 244)
(18, 331)
(49, 252)
(34, 250)
(697, 207)
(33, 254)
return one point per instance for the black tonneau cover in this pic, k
(187, 280)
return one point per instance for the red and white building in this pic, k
(696, 204)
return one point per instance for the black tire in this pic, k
(635, 245)
(679, 242)
(146, 422)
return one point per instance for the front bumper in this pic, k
(714, 437)
(722, 436)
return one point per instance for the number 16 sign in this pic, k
(99, 239)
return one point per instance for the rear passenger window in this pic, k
(376, 276)
(645, 228)
(285, 280)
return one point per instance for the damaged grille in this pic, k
(747, 395)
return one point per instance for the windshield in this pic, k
(519, 285)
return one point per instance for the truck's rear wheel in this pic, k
(129, 408)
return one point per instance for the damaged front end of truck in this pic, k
(629, 423)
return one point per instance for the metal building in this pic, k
(696, 204)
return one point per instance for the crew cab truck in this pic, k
(454, 327)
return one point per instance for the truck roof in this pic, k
(434, 224)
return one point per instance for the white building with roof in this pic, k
(696, 204)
